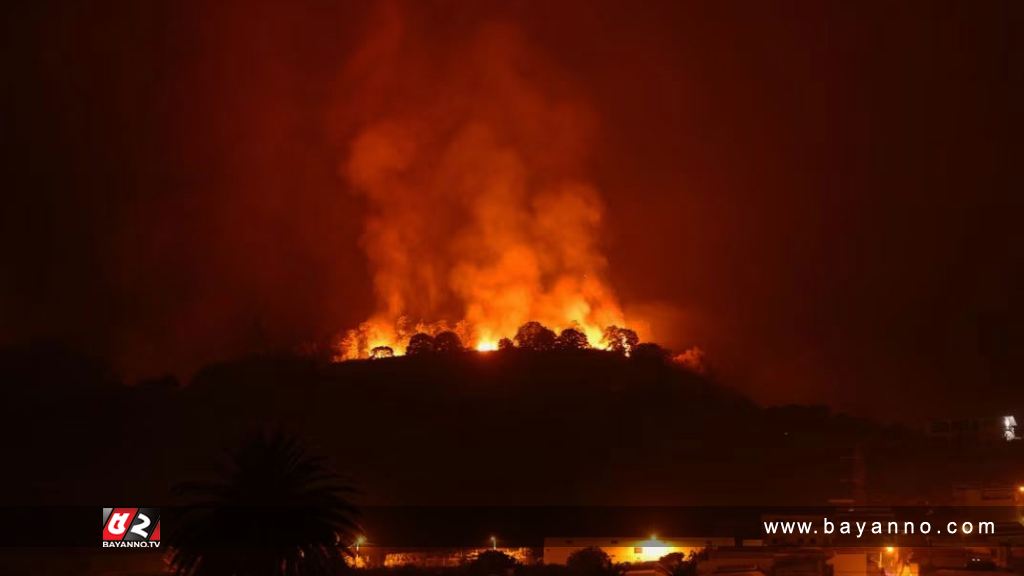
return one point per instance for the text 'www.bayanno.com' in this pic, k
(860, 529)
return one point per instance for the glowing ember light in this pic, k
(652, 549)
(486, 346)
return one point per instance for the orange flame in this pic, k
(470, 157)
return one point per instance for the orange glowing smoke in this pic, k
(471, 156)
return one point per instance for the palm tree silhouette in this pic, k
(279, 512)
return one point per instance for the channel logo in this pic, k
(131, 528)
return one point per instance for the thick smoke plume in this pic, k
(471, 154)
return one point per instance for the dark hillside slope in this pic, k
(509, 427)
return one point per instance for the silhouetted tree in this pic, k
(448, 342)
(677, 564)
(571, 339)
(492, 563)
(650, 351)
(420, 343)
(590, 561)
(279, 512)
(621, 340)
(382, 352)
(535, 336)
(505, 344)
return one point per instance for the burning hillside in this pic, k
(471, 155)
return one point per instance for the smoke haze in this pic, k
(819, 195)
(472, 153)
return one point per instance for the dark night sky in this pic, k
(819, 194)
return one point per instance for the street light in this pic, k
(360, 540)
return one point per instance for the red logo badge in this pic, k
(131, 528)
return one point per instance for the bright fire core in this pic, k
(486, 346)
(380, 334)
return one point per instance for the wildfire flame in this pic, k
(471, 157)
(486, 346)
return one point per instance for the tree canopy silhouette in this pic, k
(621, 340)
(492, 563)
(420, 343)
(505, 344)
(571, 339)
(278, 512)
(677, 564)
(591, 561)
(447, 342)
(650, 351)
(535, 336)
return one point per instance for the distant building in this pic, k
(630, 550)
(737, 561)
(646, 569)
(432, 557)
(989, 430)
(852, 562)
(976, 494)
